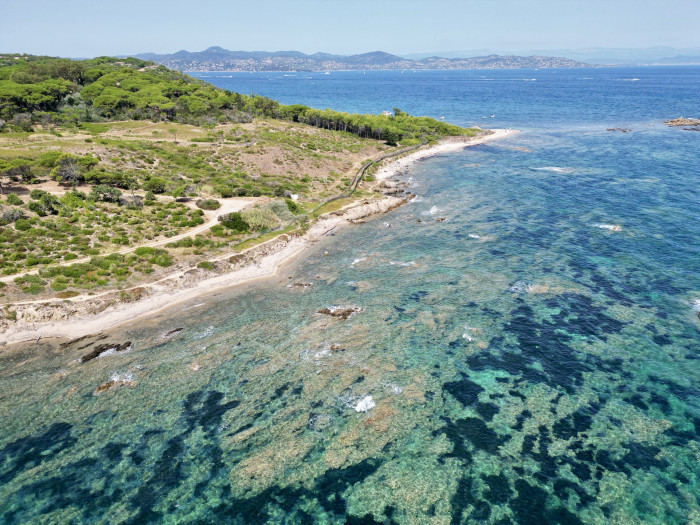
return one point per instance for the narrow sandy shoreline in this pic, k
(83, 315)
(444, 146)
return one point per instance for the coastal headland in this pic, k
(87, 314)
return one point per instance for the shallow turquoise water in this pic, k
(527, 363)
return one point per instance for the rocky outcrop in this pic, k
(688, 124)
(171, 333)
(105, 348)
(683, 122)
(115, 381)
(340, 312)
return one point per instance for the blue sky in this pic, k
(85, 28)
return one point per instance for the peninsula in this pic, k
(127, 186)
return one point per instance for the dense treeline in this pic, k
(54, 91)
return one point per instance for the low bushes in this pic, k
(208, 204)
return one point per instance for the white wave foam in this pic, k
(194, 306)
(611, 227)
(553, 169)
(112, 351)
(365, 404)
(696, 305)
(434, 210)
(519, 287)
(402, 264)
(474, 236)
(206, 333)
(126, 377)
(358, 260)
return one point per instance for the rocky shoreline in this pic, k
(83, 315)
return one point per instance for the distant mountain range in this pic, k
(593, 55)
(219, 59)
(680, 60)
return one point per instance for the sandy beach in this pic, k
(89, 314)
(445, 146)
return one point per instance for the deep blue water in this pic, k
(533, 358)
(525, 99)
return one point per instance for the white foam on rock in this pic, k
(365, 404)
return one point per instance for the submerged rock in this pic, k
(116, 381)
(340, 312)
(169, 334)
(300, 286)
(72, 342)
(103, 349)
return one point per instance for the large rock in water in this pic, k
(102, 349)
(683, 122)
(340, 312)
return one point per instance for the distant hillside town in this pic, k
(219, 59)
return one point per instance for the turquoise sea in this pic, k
(533, 358)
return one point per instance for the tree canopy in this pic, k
(61, 91)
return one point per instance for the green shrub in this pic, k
(206, 265)
(37, 194)
(37, 208)
(49, 159)
(155, 185)
(76, 271)
(224, 191)
(22, 225)
(161, 258)
(185, 242)
(13, 199)
(219, 231)
(234, 221)
(144, 250)
(208, 204)
(291, 205)
(33, 289)
(59, 284)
